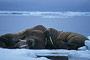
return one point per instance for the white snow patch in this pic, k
(87, 43)
(66, 14)
(88, 37)
(82, 48)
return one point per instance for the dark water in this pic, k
(13, 23)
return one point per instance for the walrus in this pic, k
(20, 36)
(6, 41)
(34, 37)
(2, 44)
(64, 40)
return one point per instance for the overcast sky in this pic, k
(45, 5)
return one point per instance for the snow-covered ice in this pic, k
(67, 14)
(28, 54)
(87, 43)
(79, 55)
(88, 37)
(82, 48)
(18, 54)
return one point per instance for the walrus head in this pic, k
(50, 43)
(35, 39)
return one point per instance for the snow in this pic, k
(83, 53)
(28, 54)
(79, 55)
(18, 54)
(82, 48)
(87, 43)
(88, 37)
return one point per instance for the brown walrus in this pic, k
(34, 37)
(6, 41)
(64, 40)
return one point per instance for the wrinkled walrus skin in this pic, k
(34, 37)
(66, 40)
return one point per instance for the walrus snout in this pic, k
(31, 43)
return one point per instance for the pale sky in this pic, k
(45, 5)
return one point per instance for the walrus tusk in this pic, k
(23, 46)
(22, 40)
(52, 41)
